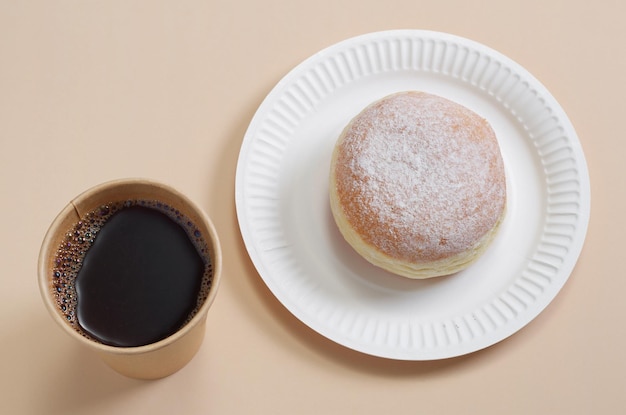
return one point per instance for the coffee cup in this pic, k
(73, 258)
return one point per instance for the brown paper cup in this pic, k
(154, 360)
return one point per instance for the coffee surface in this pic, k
(140, 279)
(132, 274)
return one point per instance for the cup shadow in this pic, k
(67, 377)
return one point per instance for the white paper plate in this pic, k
(284, 214)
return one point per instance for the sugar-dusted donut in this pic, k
(417, 185)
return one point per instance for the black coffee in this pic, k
(132, 273)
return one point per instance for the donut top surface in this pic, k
(419, 177)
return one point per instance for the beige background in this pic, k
(95, 90)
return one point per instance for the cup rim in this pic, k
(47, 249)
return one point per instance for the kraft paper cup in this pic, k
(155, 360)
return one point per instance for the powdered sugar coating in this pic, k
(419, 177)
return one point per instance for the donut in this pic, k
(417, 185)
